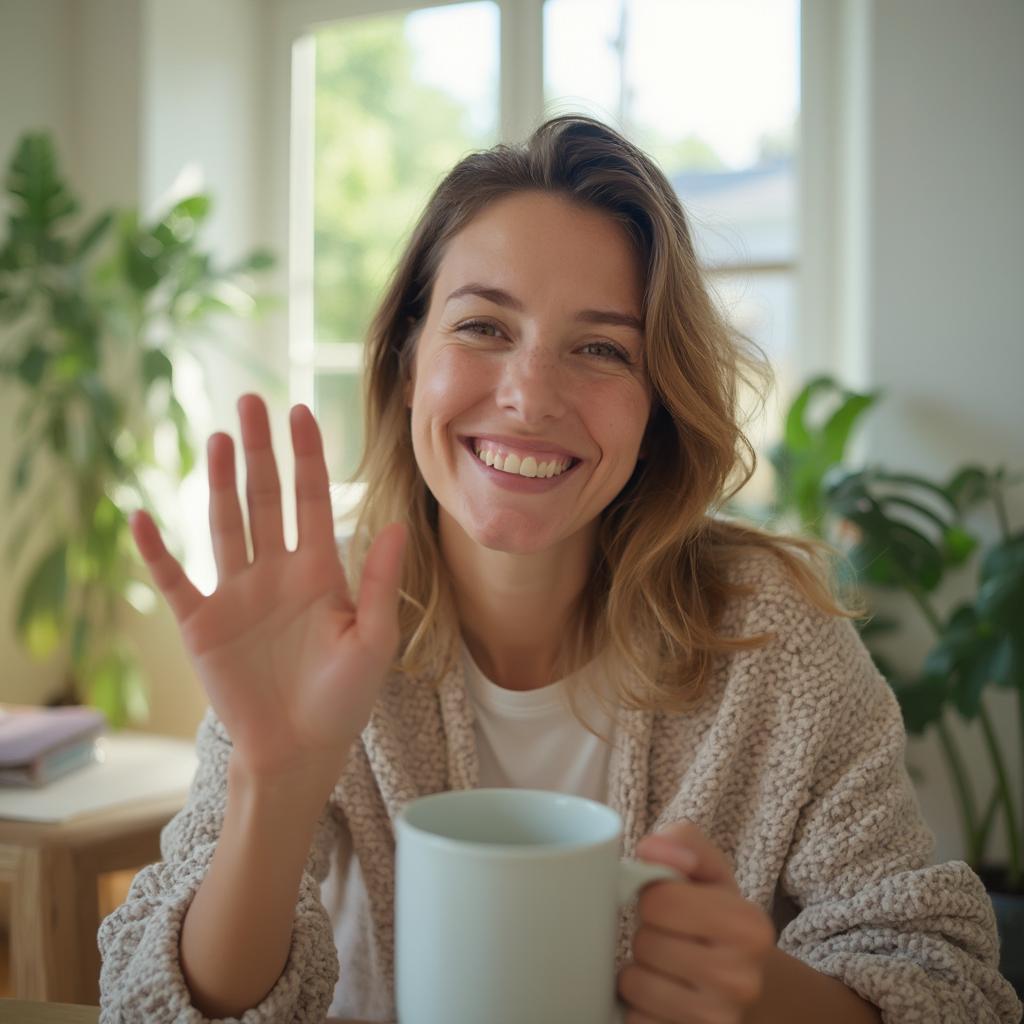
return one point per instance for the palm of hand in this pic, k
(280, 658)
(290, 663)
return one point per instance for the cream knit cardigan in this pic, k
(793, 764)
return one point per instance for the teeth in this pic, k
(528, 467)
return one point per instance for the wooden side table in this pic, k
(53, 868)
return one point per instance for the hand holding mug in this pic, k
(700, 950)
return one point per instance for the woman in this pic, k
(545, 598)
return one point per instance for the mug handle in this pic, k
(633, 876)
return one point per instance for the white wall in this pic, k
(35, 72)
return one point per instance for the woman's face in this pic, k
(531, 374)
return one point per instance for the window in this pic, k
(710, 88)
(397, 99)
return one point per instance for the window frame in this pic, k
(825, 29)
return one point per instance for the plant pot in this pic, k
(1009, 908)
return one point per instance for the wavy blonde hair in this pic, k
(660, 575)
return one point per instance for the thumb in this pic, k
(377, 610)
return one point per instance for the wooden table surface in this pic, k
(18, 1011)
(52, 870)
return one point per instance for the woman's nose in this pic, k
(531, 384)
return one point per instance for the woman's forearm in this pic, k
(795, 993)
(237, 932)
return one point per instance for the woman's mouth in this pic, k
(507, 469)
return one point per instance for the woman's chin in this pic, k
(514, 538)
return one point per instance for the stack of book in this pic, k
(38, 745)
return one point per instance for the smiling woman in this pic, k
(541, 593)
(553, 295)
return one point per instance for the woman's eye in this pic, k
(608, 349)
(471, 324)
(612, 351)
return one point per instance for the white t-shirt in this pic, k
(526, 740)
(529, 739)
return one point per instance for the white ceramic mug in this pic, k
(506, 908)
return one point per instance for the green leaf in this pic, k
(115, 686)
(956, 640)
(1001, 598)
(921, 511)
(156, 366)
(193, 208)
(971, 654)
(186, 451)
(891, 551)
(22, 472)
(141, 264)
(796, 434)
(837, 430)
(914, 482)
(877, 625)
(79, 639)
(32, 365)
(41, 608)
(93, 234)
(986, 663)
(136, 695)
(105, 407)
(958, 545)
(42, 199)
(922, 703)
(105, 683)
(257, 261)
(1004, 557)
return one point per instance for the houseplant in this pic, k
(91, 319)
(906, 533)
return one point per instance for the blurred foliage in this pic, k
(90, 318)
(904, 532)
(384, 140)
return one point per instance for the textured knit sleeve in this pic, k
(916, 939)
(141, 979)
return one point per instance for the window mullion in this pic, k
(522, 67)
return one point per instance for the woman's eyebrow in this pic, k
(500, 297)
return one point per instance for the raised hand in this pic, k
(291, 663)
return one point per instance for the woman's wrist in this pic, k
(287, 798)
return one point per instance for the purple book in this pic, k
(27, 733)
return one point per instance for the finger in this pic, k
(659, 996)
(636, 1017)
(377, 613)
(262, 484)
(167, 574)
(312, 487)
(227, 529)
(731, 973)
(707, 914)
(684, 846)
